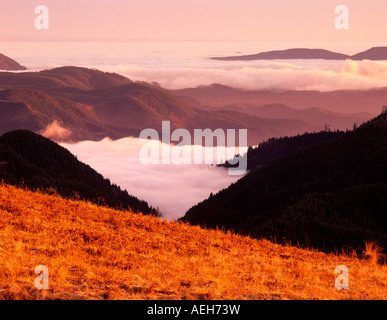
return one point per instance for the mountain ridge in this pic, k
(72, 77)
(117, 107)
(347, 101)
(375, 53)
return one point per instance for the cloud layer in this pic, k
(56, 132)
(173, 188)
(181, 65)
(260, 75)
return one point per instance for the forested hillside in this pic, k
(92, 104)
(36, 110)
(275, 148)
(33, 161)
(327, 196)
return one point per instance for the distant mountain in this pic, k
(92, 104)
(9, 64)
(63, 78)
(30, 160)
(73, 104)
(340, 101)
(297, 53)
(138, 105)
(143, 106)
(327, 196)
(376, 53)
(38, 111)
(317, 118)
(310, 115)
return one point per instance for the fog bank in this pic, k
(173, 188)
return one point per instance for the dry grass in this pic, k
(98, 253)
(374, 253)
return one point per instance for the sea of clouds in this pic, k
(173, 188)
(265, 75)
(182, 65)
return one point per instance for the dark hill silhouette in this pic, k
(33, 161)
(296, 53)
(326, 196)
(9, 64)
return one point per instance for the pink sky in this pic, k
(195, 20)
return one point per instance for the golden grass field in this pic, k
(98, 253)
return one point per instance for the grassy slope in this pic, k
(98, 253)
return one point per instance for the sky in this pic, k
(194, 20)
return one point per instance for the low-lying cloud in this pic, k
(182, 65)
(55, 131)
(318, 75)
(173, 188)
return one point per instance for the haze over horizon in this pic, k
(182, 65)
(198, 20)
